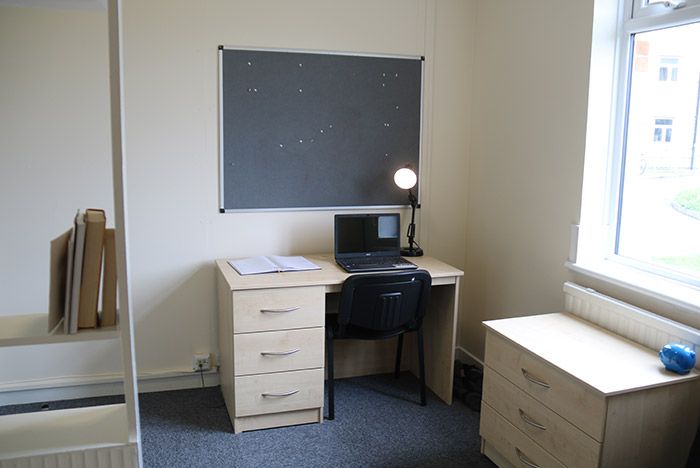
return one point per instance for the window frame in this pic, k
(642, 8)
(594, 238)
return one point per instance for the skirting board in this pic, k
(90, 387)
(157, 382)
(466, 357)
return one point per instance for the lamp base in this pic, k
(411, 252)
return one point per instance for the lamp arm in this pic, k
(412, 227)
(405, 178)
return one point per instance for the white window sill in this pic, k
(679, 295)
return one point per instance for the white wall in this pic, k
(171, 134)
(55, 143)
(55, 139)
(506, 90)
(171, 128)
(171, 146)
(525, 164)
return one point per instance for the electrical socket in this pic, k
(202, 360)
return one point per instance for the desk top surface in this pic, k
(330, 274)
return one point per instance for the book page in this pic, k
(293, 263)
(253, 265)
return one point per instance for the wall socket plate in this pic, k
(201, 359)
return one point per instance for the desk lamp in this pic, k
(406, 179)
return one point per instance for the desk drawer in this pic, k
(556, 435)
(265, 352)
(277, 309)
(569, 398)
(276, 393)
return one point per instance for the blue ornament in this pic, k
(677, 357)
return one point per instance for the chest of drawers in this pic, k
(272, 351)
(559, 391)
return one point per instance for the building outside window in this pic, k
(668, 70)
(663, 129)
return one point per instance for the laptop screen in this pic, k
(367, 235)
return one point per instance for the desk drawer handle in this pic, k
(535, 381)
(279, 353)
(524, 417)
(522, 458)
(279, 311)
(277, 395)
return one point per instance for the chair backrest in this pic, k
(382, 305)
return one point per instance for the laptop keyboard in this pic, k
(379, 261)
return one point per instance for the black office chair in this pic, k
(379, 306)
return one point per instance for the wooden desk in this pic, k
(294, 341)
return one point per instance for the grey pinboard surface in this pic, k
(315, 130)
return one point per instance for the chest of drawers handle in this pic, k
(279, 353)
(522, 458)
(278, 395)
(533, 380)
(524, 417)
(279, 311)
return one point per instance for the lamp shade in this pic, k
(405, 178)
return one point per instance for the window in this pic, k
(652, 232)
(662, 130)
(668, 69)
(641, 202)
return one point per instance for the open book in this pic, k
(271, 264)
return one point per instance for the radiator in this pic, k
(120, 456)
(638, 325)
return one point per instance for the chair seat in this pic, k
(355, 332)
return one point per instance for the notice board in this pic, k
(308, 130)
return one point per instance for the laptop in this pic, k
(369, 242)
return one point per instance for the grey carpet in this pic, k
(379, 423)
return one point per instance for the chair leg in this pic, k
(421, 367)
(331, 389)
(397, 369)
